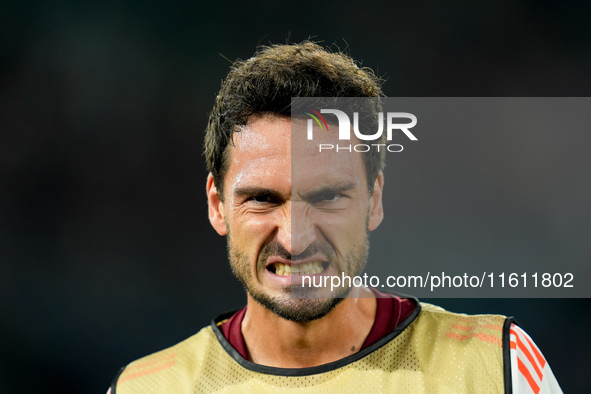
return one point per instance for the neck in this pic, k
(273, 341)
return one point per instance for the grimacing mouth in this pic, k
(310, 268)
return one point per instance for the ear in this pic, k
(216, 207)
(376, 210)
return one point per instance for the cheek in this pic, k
(252, 229)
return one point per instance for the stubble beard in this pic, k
(304, 307)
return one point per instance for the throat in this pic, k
(276, 342)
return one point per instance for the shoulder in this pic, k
(525, 369)
(530, 371)
(477, 333)
(461, 325)
(167, 367)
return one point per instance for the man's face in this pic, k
(291, 211)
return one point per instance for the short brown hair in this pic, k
(266, 83)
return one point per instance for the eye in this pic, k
(329, 196)
(261, 199)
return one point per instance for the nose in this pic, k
(297, 230)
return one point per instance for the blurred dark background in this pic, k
(106, 253)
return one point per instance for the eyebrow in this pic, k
(335, 188)
(254, 191)
(262, 191)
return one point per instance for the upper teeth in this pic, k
(314, 267)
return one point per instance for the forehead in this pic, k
(270, 149)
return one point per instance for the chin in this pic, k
(301, 310)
